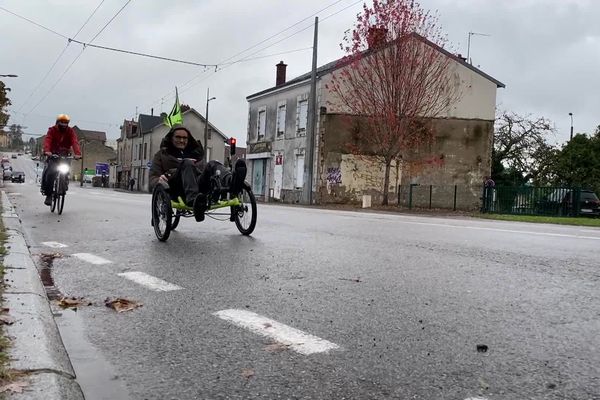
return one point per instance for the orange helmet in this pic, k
(63, 118)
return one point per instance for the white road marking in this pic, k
(55, 245)
(476, 398)
(481, 228)
(150, 281)
(92, 258)
(299, 341)
(14, 194)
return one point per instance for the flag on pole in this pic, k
(174, 117)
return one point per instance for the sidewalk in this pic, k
(36, 346)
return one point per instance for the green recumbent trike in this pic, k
(166, 211)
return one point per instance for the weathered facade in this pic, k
(277, 121)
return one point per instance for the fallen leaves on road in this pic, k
(14, 387)
(247, 373)
(482, 348)
(121, 305)
(276, 347)
(73, 302)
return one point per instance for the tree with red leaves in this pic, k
(394, 79)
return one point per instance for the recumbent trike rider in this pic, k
(184, 187)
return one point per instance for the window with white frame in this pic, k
(261, 122)
(302, 116)
(281, 108)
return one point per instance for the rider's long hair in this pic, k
(192, 146)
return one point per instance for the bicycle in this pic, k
(61, 183)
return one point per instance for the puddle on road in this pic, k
(97, 379)
(95, 376)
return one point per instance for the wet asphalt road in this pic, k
(407, 299)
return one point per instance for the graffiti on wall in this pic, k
(334, 176)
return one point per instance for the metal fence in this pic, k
(454, 197)
(531, 200)
(524, 200)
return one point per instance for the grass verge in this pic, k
(583, 221)
(4, 342)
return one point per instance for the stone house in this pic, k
(93, 150)
(141, 139)
(277, 124)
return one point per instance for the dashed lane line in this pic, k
(54, 245)
(150, 281)
(296, 339)
(92, 259)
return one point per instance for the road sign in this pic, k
(149, 164)
(102, 169)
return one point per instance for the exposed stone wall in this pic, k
(460, 155)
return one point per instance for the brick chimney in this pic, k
(280, 77)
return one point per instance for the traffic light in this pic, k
(232, 142)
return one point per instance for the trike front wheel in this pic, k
(162, 213)
(245, 214)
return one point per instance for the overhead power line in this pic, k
(110, 20)
(142, 54)
(247, 57)
(35, 23)
(60, 56)
(78, 56)
(226, 64)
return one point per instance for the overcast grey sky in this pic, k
(547, 52)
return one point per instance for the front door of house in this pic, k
(258, 177)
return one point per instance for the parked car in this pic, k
(560, 202)
(18, 176)
(13, 156)
(7, 174)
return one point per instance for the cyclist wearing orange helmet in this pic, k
(60, 139)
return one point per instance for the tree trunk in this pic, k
(386, 182)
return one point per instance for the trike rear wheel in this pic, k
(162, 213)
(245, 214)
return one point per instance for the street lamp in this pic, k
(9, 76)
(571, 115)
(208, 99)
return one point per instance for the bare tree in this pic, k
(521, 145)
(396, 78)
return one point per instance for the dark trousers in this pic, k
(186, 181)
(49, 175)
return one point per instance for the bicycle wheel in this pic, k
(175, 221)
(54, 194)
(245, 214)
(60, 200)
(162, 213)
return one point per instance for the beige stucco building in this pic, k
(277, 123)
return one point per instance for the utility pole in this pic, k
(312, 123)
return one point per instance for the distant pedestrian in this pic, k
(488, 194)
(131, 184)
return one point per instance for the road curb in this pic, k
(36, 345)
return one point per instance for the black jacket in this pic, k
(168, 158)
